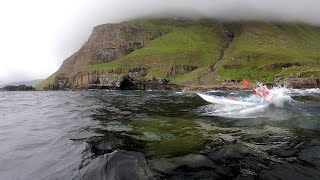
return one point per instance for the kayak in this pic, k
(230, 100)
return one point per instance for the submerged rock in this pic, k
(168, 137)
(118, 165)
(191, 161)
(311, 155)
(191, 166)
(290, 171)
(106, 146)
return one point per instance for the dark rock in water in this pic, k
(106, 146)
(118, 165)
(311, 155)
(283, 152)
(192, 166)
(189, 161)
(290, 171)
(203, 175)
(236, 160)
(18, 88)
(230, 151)
(288, 150)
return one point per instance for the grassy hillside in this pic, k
(258, 51)
(194, 43)
(262, 49)
(45, 82)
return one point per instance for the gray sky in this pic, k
(37, 35)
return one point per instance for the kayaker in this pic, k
(262, 91)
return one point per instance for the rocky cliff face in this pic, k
(121, 78)
(125, 79)
(106, 43)
(299, 83)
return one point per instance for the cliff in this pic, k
(107, 43)
(172, 54)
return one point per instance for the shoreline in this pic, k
(294, 83)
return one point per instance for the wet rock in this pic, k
(230, 151)
(203, 175)
(284, 152)
(237, 160)
(118, 165)
(290, 171)
(287, 150)
(192, 166)
(106, 146)
(311, 155)
(192, 161)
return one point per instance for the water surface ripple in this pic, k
(56, 135)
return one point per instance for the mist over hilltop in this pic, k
(53, 30)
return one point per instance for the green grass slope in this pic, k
(45, 82)
(262, 50)
(192, 43)
(259, 51)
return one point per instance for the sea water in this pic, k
(50, 135)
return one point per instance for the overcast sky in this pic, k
(37, 35)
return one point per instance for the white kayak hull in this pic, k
(224, 100)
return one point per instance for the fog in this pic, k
(37, 35)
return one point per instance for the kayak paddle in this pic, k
(248, 85)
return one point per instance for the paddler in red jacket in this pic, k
(262, 91)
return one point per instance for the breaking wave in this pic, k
(278, 107)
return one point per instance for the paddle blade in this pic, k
(246, 84)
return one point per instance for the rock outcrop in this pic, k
(122, 79)
(180, 69)
(117, 165)
(61, 82)
(310, 82)
(18, 88)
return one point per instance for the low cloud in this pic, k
(38, 35)
(95, 12)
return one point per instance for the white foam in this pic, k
(279, 98)
(304, 91)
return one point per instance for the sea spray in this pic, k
(279, 97)
(275, 106)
